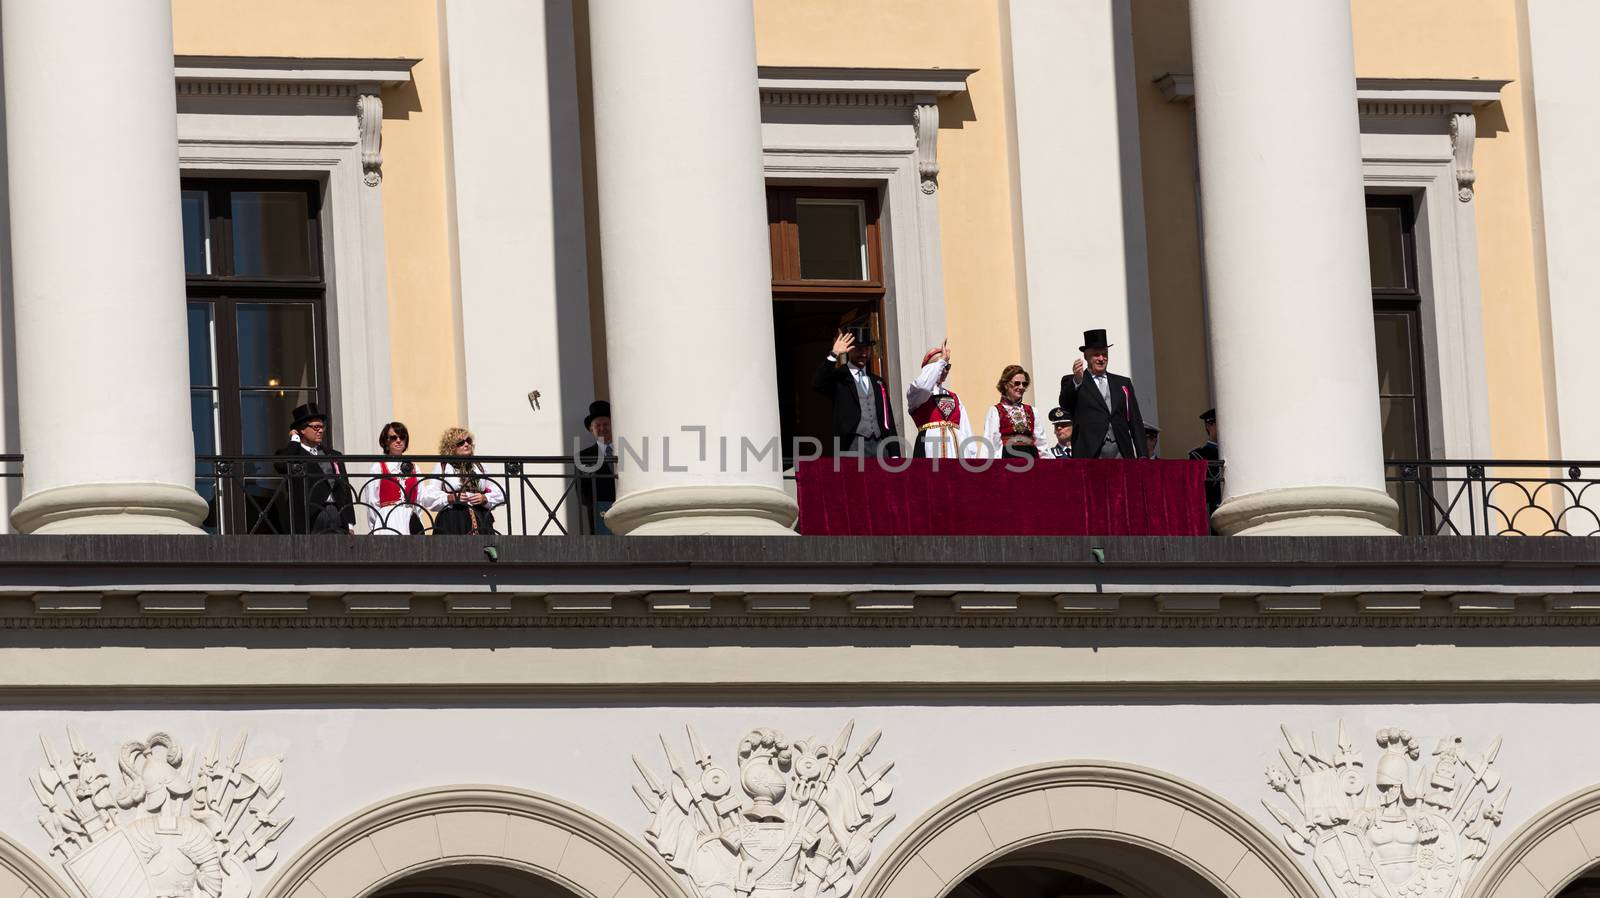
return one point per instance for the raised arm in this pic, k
(921, 389)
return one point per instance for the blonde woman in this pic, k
(462, 497)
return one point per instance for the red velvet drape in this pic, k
(1058, 497)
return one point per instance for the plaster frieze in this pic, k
(177, 823)
(792, 818)
(1405, 827)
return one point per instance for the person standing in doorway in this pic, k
(863, 419)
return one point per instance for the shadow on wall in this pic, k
(10, 427)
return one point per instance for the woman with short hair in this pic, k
(461, 496)
(1011, 428)
(390, 493)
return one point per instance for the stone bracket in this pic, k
(1463, 133)
(369, 116)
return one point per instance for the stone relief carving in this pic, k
(174, 827)
(1463, 133)
(369, 116)
(925, 117)
(1406, 828)
(794, 819)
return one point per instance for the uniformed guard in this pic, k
(1211, 454)
(1061, 420)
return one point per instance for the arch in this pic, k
(1546, 853)
(437, 828)
(22, 874)
(1086, 799)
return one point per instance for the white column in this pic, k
(688, 279)
(1560, 35)
(97, 266)
(1286, 268)
(1084, 237)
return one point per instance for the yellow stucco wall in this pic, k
(422, 327)
(976, 212)
(1393, 38)
(1478, 39)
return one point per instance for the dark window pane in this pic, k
(202, 358)
(833, 239)
(203, 417)
(1400, 438)
(277, 345)
(1386, 249)
(264, 417)
(196, 233)
(271, 234)
(1395, 347)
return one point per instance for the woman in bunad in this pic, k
(943, 430)
(390, 493)
(462, 497)
(1012, 429)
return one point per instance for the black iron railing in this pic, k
(1451, 497)
(520, 496)
(557, 495)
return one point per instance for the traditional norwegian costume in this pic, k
(390, 497)
(1014, 431)
(942, 427)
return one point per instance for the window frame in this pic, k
(783, 234)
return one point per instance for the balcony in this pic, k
(558, 496)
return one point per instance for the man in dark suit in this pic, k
(1104, 407)
(597, 469)
(1211, 454)
(863, 419)
(315, 495)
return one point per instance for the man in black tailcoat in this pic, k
(597, 469)
(863, 419)
(1105, 409)
(315, 496)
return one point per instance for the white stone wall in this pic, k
(340, 760)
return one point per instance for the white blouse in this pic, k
(435, 493)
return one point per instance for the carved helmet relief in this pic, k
(1407, 827)
(178, 825)
(801, 822)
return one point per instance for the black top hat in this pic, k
(305, 414)
(1096, 337)
(1060, 416)
(1209, 416)
(862, 334)
(599, 408)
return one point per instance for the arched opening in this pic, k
(1085, 829)
(1587, 885)
(1084, 868)
(474, 881)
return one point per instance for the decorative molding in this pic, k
(852, 80)
(25, 875)
(304, 78)
(504, 827)
(822, 98)
(1463, 133)
(176, 825)
(1178, 87)
(804, 825)
(1087, 799)
(369, 118)
(1415, 833)
(1539, 858)
(926, 119)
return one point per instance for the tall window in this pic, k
(1397, 319)
(827, 274)
(257, 338)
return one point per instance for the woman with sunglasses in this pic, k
(462, 497)
(390, 493)
(1012, 429)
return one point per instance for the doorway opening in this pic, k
(1085, 868)
(827, 277)
(474, 881)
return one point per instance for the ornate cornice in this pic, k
(341, 79)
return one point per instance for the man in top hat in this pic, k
(597, 469)
(863, 419)
(943, 430)
(1211, 454)
(1061, 420)
(1104, 407)
(1152, 435)
(315, 494)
